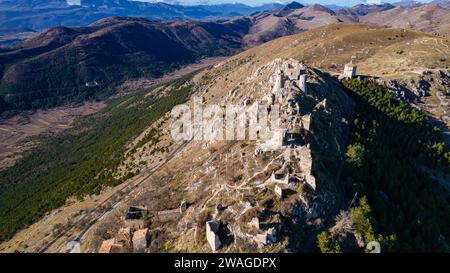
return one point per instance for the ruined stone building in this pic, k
(127, 239)
(140, 240)
(136, 217)
(212, 227)
(168, 215)
(289, 85)
(289, 81)
(349, 71)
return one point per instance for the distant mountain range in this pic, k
(407, 3)
(54, 66)
(442, 3)
(413, 3)
(428, 18)
(362, 9)
(42, 14)
(294, 18)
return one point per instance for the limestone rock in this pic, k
(110, 246)
(140, 239)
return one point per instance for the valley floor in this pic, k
(17, 130)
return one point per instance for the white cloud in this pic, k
(73, 2)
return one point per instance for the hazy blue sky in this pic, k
(256, 2)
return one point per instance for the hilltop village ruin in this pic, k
(293, 181)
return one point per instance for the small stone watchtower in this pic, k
(349, 70)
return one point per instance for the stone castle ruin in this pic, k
(290, 81)
(286, 184)
(282, 183)
(289, 86)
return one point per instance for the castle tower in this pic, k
(278, 84)
(302, 82)
(349, 70)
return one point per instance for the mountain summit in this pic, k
(293, 5)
